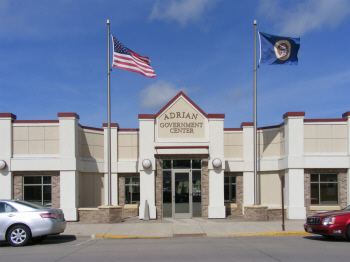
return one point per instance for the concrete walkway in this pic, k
(166, 228)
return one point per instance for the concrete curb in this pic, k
(291, 233)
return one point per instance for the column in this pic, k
(294, 173)
(216, 166)
(147, 174)
(248, 168)
(347, 116)
(114, 163)
(6, 191)
(69, 176)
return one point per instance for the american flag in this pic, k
(126, 59)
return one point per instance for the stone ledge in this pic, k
(131, 206)
(324, 208)
(101, 214)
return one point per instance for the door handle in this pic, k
(11, 215)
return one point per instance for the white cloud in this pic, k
(157, 95)
(305, 16)
(181, 11)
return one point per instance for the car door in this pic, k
(7, 216)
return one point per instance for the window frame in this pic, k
(133, 186)
(42, 184)
(230, 183)
(319, 183)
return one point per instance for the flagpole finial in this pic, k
(255, 22)
(108, 21)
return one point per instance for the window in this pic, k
(324, 189)
(37, 190)
(4, 207)
(230, 189)
(132, 190)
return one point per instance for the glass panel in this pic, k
(166, 164)
(182, 204)
(329, 194)
(227, 193)
(329, 177)
(46, 179)
(32, 194)
(196, 164)
(32, 180)
(135, 180)
(315, 194)
(181, 164)
(196, 194)
(136, 194)
(47, 196)
(233, 180)
(314, 177)
(128, 194)
(226, 180)
(167, 205)
(127, 180)
(233, 193)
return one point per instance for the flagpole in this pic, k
(109, 202)
(255, 123)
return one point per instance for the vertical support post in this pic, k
(109, 118)
(282, 186)
(255, 124)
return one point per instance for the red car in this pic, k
(330, 224)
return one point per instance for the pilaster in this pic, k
(6, 191)
(294, 175)
(147, 175)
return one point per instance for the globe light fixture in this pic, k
(216, 162)
(146, 163)
(2, 164)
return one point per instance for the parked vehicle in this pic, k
(330, 224)
(22, 221)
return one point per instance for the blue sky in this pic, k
(54, 58)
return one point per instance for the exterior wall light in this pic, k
(216, 162)
(146, 163)
(2, 164)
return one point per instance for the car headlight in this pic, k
(328, 221)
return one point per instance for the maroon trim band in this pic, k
(216, 115)
(179, 147)
(68, 115)
(247, 124)
(147, 116)
(35, 121)
(346, 114)
(112, 125)
(326, 120)
(91, 128)
(233, 129)
(288, 114)
(128, 129)
(8, 115)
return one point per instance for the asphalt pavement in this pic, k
(196, 227)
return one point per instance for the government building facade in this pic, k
(179, 163)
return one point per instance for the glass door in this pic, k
(182, 194)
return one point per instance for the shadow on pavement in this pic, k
(324, 239)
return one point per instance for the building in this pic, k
(180, 163)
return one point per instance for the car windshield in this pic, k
(28, 204)
(347, 208)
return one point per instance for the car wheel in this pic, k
(18, 235)
(38, 239)
(348, 232)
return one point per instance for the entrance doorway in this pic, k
(182, 188)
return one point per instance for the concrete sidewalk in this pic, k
(166, 228)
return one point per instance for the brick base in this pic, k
(256, 213)
(102, 214)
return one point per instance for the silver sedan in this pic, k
(21, 221)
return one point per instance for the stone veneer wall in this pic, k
(121, 195)
(342, 187)
(55, 189)
(239, 195)
(159, 181)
